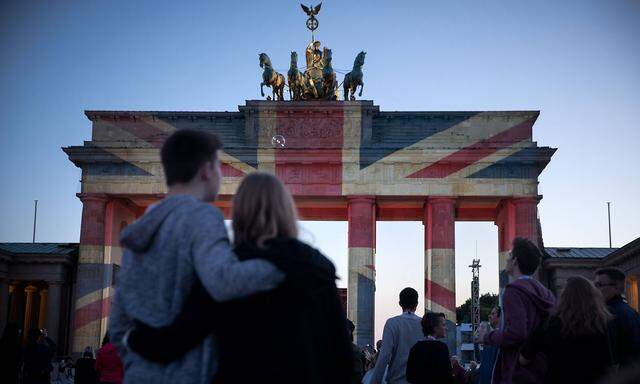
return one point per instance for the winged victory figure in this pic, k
(311, 10)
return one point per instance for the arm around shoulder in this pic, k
(219, 270)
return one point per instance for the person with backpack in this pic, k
(526, 304)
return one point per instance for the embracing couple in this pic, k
(191, 308)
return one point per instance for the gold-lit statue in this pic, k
(318, 82)
(329, 83)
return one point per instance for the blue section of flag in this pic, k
(231, 131)
(392, 131)
(112, 165)
(527, 163)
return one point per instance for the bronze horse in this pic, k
(296, 80)
(354, 78)
(271, 78)
(329, 83)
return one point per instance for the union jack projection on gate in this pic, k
(331, 149)
(332, 152)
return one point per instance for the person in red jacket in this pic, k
(108, 363)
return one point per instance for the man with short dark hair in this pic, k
(400, 334)
(179, 242)
(611, 282)
(526, 303)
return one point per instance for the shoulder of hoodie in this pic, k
(198, 212)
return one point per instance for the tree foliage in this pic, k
(487, 302)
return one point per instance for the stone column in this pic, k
(506, 223)
(13, 311)
(28, 308)
(440, 271)
(362, 272)
(90, 305)
(4, 302)
(526, 216)
(54, 305)
(42, 314)
(516, 217)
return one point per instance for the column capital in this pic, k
(361, 199)
(43, 292)
(93, 197)
(526, 200)
(441, 200)
(30, 289)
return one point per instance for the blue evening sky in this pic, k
(576, 61)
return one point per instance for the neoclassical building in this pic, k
(37, 287)
(563, 262)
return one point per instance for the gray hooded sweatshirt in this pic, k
(177, 241)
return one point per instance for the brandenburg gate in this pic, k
(342, 160)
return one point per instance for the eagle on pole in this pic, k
(311, 11)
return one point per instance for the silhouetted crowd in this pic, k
(193, 307)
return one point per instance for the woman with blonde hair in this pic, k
(294, 334)
(577, 339)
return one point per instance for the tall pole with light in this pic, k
(35, 219)
(609, 219)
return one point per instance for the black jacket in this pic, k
(571, 359)
(429, 363)
(86, 371)
(294, 334)
(627, 322)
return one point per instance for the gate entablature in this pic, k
(329, 149)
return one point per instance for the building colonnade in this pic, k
(32, 304)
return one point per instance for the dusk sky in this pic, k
(578, 62)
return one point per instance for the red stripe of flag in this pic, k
(91, 312)
(469, 155)
(440, 295)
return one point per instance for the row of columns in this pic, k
(47, 311)
(515, 217)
